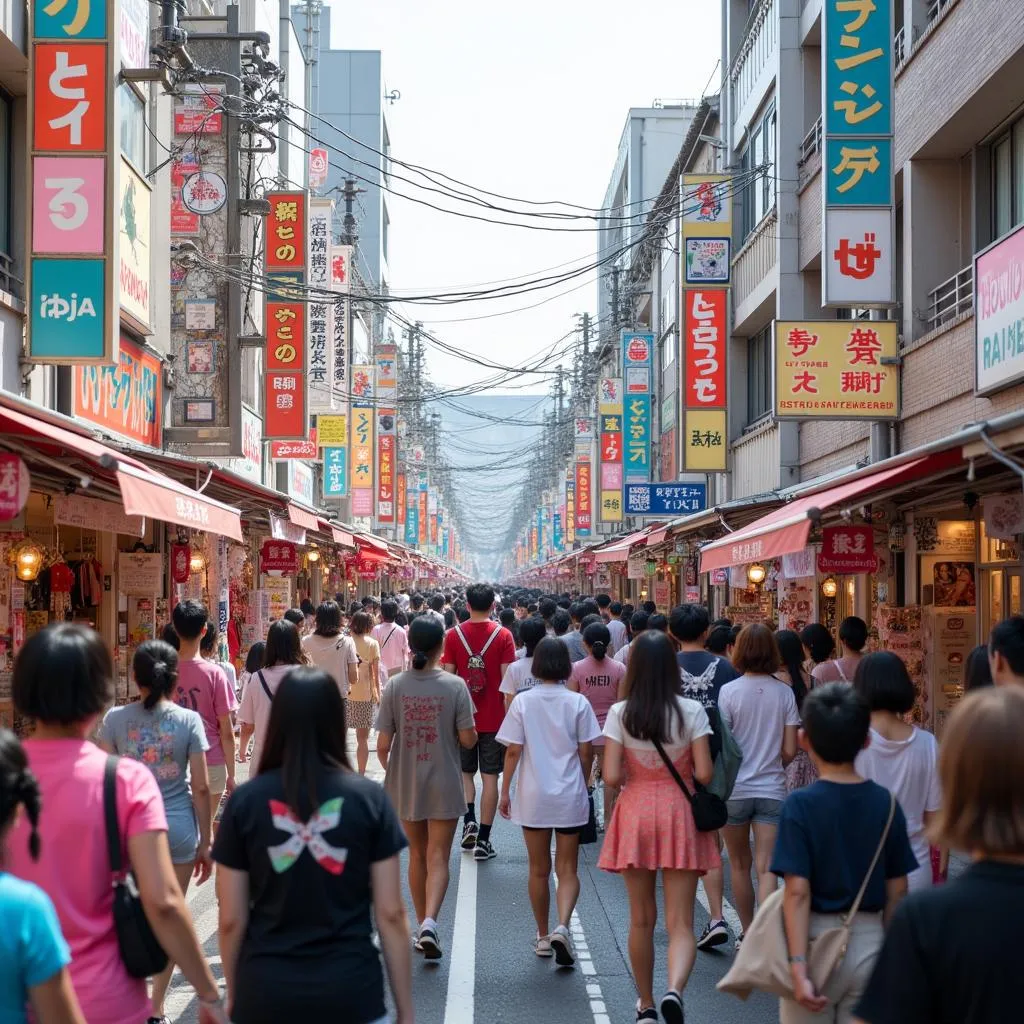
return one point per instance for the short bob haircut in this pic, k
(361, 624)
(63, 675)
(551, 662)
(884, 682)
(328, 619)
(836, 719)
(756, 651)
(981, 763)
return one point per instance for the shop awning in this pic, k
(785, 531)
(619, 551)
(658, 535)
(300, 517)
(372, 549)
(339, 536)
(146, 494)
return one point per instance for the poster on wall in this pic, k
(900, 630)
(954, 584)
(949, 638)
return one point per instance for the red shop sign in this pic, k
(285, 405)
(847, 549)
(286, 231)
(181, 557)
(278, 556)
(705, 349)
(14, 487)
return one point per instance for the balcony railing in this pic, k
(758, 46)
(936, 7)
(900, 46)
(952, 298)
(9, 282)
(811, 143)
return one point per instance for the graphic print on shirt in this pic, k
(419, 717)
(307, 835)
(188, 699)
(700, 688)
(154, 747)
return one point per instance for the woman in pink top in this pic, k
(63, 678)
(392, 641)
(599, 677)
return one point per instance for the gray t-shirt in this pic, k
(423, 711)
(163, 740)
(574, 641)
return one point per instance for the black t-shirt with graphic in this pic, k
(308, 952)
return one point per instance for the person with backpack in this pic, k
(329, 648)
(481, 651)
(701, 678)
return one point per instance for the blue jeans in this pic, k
(764, 812)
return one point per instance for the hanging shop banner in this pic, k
(858, 100)
(704, 385)
(706, 245)
(285, 258)
(659, 500)
(336, 472)
(300, 482)
(281, 451)
(278, 556)
(412, 515)
(556, 531)
(386, 366)
(14, 487)
(847, 550)
(637, 466)
(125, 399)
(72, 269)
(133, 249)
(331, 431)
(341, 324)
(637, 352)
(386, 477)
(583, 498)
(999, 314)
(318, 163)
(609, 396)
(421, 538)
(363, 383)
(400, 492)
(320, 351)
(584, 429)
(361, 460)
(837, 369)
(609, 407)
(570, 512)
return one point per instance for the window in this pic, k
(132, 112)
(759, 374)
(385, 224)
(759, 191)
(1008, 180)
(6, 147)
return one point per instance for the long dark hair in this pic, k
(531, 632)
(792, 651)
(652, 682)
(305, 734)
(597, 637)
(155, 666)
(18, 787)
(284, 645)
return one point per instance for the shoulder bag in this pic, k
(762, 961)
(709, 810)
(141, 953)
(263, 683)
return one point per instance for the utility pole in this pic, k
(349, 235)
(615, 299)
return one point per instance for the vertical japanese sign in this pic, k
(386, 452)
(341, 314)
(361, 466)
(837, 369)
(336, 472)
(400, 487)
(284, 257)
(386, 364)
(412, 515)
(421, 538)
(637, 352)
(570, 511)
(858, 98)
(704, 387)
(584, 512)
(71, 282)
(609, 408)
(320, 351)
(433, 508)
(706, 249)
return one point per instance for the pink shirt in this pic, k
(598, 681)
(394, 646)
(74, 870)
(204, 688)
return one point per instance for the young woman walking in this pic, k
(652, 827)
(549, 733)
(800, 771)
(172, 743)
(364, 696)
(425, 717)
(520, 675)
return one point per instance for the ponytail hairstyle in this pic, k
(598, 638)
(426, 635)
(18, 787)
(531, 632)
(155, 667)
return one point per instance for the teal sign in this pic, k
(858, 67)
(335, 472)
(859, 172)
(69, 19)
(67, 309)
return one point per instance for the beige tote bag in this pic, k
(762, 961)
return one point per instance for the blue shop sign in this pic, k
(668, 499)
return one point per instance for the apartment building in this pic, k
(958, 156)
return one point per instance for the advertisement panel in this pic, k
(386, 477)
(671, 499)
(361, 460)
(401, 487)
(836, 369)
(386, 372)
(133, 248)
(341, 333)
(320, 353)
(637, 358)
(412, 516)
(706, 244)
(609, 405)
(999, 314)
(704, 383)
(336, 472)
(570, 512)
(584, 510)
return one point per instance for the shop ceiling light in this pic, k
(756, 573)
(313, 554)
(27, 558)
(829, 587)
(197, 562)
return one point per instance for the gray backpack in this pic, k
(730, 756)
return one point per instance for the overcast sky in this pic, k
(528, 100)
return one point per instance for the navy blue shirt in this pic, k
(828, 833)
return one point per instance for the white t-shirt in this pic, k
(757, 710)
(695, 725)
(550, 722)
(333, 654)
(617, 628)
(909, 769)
(622, 654)
(518, 677)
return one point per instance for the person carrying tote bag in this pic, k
(814, 945)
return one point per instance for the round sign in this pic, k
(204, 192)
(637, 350)
(318, 161)
(14, 487)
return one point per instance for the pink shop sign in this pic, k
(68, 204)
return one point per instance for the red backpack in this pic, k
(476, 669)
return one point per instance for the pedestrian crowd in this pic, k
(677, 737)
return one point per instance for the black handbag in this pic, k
(588, 834)
(141, 954)
(709, 810)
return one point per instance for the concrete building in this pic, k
(348, 96)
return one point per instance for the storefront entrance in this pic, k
(1003, 589)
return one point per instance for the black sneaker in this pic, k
(650, 1013)
(158, 1020)
(715, 934)
(672, 1008)
(483, 850)
(469, 833)
(430, 944)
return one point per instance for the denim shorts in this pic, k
(764, 812)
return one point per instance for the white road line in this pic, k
(459, 1005)
(598, 1007)
(732, 919)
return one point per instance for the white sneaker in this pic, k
(738, 943)
(542, 946)
(561, 943)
